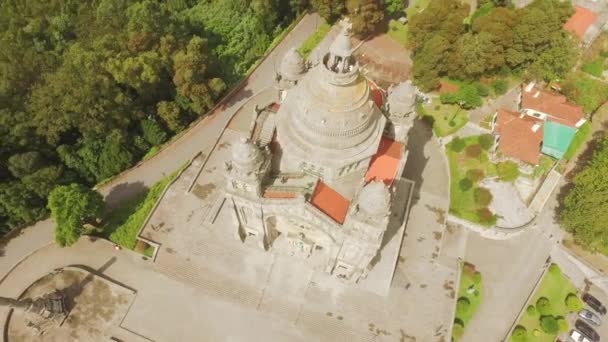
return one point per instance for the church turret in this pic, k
(401, 106)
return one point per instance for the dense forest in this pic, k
(496, 39)
(88, 87)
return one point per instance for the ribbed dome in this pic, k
(292, 65)
(375, 198)
(402, 98)
(245, 154)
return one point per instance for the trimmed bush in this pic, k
(486, 141)
(536, 332)
(457, 330)
(507, 171)
(562, 325)
(543, 306)
(462, 306)
(549, 325)
(473, 151)
(475, 175)
(465, 184)
(519, 334)
(477, 278)
(554, 270)
(152, 132)
(482, 196)
(500, 87)
(457, 145)
(485, 215)
(482, 89)
(573, 303)
(531, 310)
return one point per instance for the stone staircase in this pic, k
(267, 130)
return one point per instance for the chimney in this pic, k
(535, 127)
(537, 93)
(529, 87)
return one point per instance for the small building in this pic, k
(518, 135)
(580, 22)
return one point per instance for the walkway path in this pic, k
(510, 101)
(200, 137)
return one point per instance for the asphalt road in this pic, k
(200, 137)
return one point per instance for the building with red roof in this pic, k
(386, 163)
(330, 202)
(519, 135)
(544, 104)
(580, 21)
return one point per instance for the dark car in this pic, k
(587, 330)
(594, 303)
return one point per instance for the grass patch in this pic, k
(398, 32)
(151, 152)
(486, 122)
(544, 165)
(594, 68)
(314, 39)
(444, 118)
(581, 136)
(585, 91)
(415, 7)
(555, 287)
(469, 289)
(466, 170)
(122, 225)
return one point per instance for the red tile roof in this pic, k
(279, 194)
(385, 163)
(553, 104)
(274, 107)
(377, 95)
(579, 22)
(517, 139)
(330, 202)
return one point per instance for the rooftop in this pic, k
(557, 139)
(385, 163)
(520, 135)
(555, 105)
(580, 21)
(330, 202)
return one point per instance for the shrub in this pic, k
(485, 215)
(549, 325)
(458, 329)
(562, 325)
(473, 151)
(519, 334)
(482, 196)
(457, 145)
(554, 270)
(486, 141)
(573, 303)
(462, 306)
(152, 132)
(543, 306)
(531, 310)
(536, 332)
(475, 175)
(482, 89)
(507, 171)
(465, 184)
(500, 87)
(477, 278)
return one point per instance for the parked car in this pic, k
(589, 316)
(587, 330)
(577, 336)
(594, 303)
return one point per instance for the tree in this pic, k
(556, 61)
(72, 206)
(549, 325)
(554, 270)
(585, 207)
(482, 196)
(507, 171)
(531, 310)
(394, 7)
(152, 132)
(330, 10)
(465, 184)
(24, 164)
(543, 305)
(18, 205)
(573, 303)
(457, 144)
(365, 15)
(171, 115)
(462, 306)
(486, 141)
(519, 334)
(562, 325)
(500, 86)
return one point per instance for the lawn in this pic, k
(122, 224)
(579, 139)
(586, 91)
(314, 39)
(555, 287)
(469, 291)
(595, 68)
(468, 166)
(544, 165)
(444, 118)
(397, 32)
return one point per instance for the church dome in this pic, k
(375, 198)
(329, 118)
(402, 98)
(292, 65)
(245, 154)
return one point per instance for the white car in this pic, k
(590, 317)
(577, 336)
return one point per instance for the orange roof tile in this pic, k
(580, 21)
(517, 139)
(377, 95)
(330, 202)
(274, 107)
(385, 163)
(553, 104)
(279, 194)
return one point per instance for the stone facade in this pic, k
(304, 194)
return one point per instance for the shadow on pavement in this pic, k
(419, 135)
(124, 192)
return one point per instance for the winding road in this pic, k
(201, 136)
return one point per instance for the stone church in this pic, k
(319, 174)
